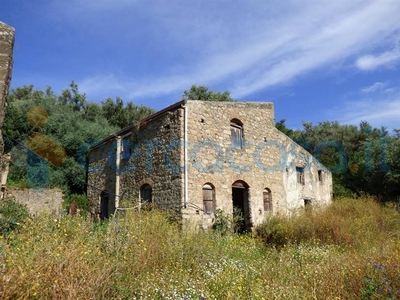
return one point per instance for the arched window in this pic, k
(267, 199)
(208, 198)
(237, 133)
(146, 193)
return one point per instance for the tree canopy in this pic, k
(49, 135)
(202, 93)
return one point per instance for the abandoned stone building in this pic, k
(199, 156)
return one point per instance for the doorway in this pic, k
(104, 205)
(240, 202)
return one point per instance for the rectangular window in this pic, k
(126, 150)
(300, 175)
(319, 175)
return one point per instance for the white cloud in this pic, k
(372, 62)
(378, 112)
(246, 47)
(292, 48)
(98, 83)
(379, 106)
(377, 86)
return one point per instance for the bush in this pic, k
(12, 215)
(225, 223)
(349, 222)
(81, 201)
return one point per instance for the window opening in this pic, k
(300, 175)
(267, 200)
(237, 133)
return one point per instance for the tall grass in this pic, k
(348, 251)
(359, 223)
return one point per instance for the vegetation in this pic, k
(202, 92)
(351, 250)
(49, 135)
(12, 215)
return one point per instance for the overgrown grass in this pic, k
(358, 223)
(348, 251)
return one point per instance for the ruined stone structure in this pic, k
(233, 158)
(38, 201)
(6, 51)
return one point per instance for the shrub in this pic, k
(81, 201)
(225, 223)
(12, 215)
(350, 222)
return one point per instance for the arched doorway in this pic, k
(240, 201)
(146, 193)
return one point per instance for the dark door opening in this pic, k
(104, 205)
(240, 201)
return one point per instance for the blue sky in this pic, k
(317, 60)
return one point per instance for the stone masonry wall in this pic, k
(38, 201)
(6, 55)
(268, 160)
(151, 155)
(101, 177)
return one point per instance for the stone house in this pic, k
(199, 156)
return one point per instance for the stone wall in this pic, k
(38, 201)
(150, 154)
(268, 160)
(6, 55)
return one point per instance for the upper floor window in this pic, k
(300, 175)
(267, 200)
(208, 198)
(237, 133)
(126, 149)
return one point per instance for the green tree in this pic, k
(49, 136)
(202, 92)
(120, 115)
(281, 126)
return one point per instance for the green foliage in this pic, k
(12, 215)
(381, 282)
(225, 223)
(281, 126)
(49, 135)
(222, 223)
(120, 115)
(202, 93)
(81, 201)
